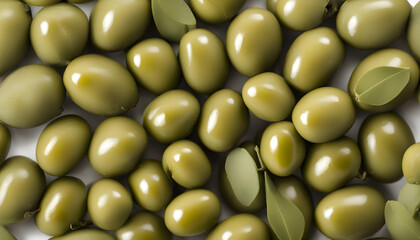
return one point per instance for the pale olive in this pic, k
(86, 234)
(187, 164)
(143, 225)
(216, 11)
(53, 153)
(354, 212)
(383, 139)
(171, 116)
(41, 2)
(30, 96)
(253, 41)
(411, 164)
(192, 212)
(100, 85)
(5, 140)
(23, 183)
(203, 60)
(413, 33)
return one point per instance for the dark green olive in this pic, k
(86, 234)
(411, 164)
(216, 11)
(413, 34)
(5, 140)
(143, 225)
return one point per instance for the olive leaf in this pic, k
(410, 197)
(285, 218)
(5, 234)
(399, 222)
(381, 85)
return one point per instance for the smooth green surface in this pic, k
(5, 234)
(86, 234)
(78, 1)
(41, 2)
(5, 141)
(413, 33)
(410, 197)
(400, 223)
(411, 164)
(143, 225)
(216, 11)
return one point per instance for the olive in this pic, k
(62, 206)
(216, 11)
(41, 2)
(30, 96)
(187, 164)
(224, 120)
(203, 60)
(86, 234)
(271, 5)
(78, 1)
(268, 97)
(22, 184)
(369, 24)
(171, 116)
(143, 225)
(53, 153)
(413, 34)
(313, 58)
(253, 41)
(117, 145)
(5, 140)
(154, 65)
(192, 212)
(150, 187)
(116, 25)
(411, 164)
(324, 114)
(383, 139)
(100, 85)
(354, 212)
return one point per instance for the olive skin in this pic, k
(386, 57)
(116, 25)
(41, 2)
(271, 5)
(216, 11)
(411, 164)
(23, 183)
(370, 24)
(78, 1)
(187, 164)
(203, 60)
(354, 212)
(150, 187)
(100, 85)
(109, 204)
(192, 212)
(154, 65)
(268, 97)
(171, 116)
(86, 234)
(413, 35)
(313, 58)
(324, 114)
(63, 205)
(5, 140)
(240, 227)
(224, 120)
(52, 150)
(30, 96)
(330, 165)
(253, 41)
(143, 225)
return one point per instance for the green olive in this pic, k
(253, 41)
(224, 120)
(62, 206)
(313, 58)
(411, 164)
(22, 184)
(328, 166)
(143, 225)
(78, 1)
(117, 145)
(324, 114)
(354, 212)
(100, 85)
(203, 60)
(109, 204)
(150, 187)
(154, 65)
(216, 11)
(86, 234)
(41, 2)
(369, 24)
(268, 97)
(187, 164)
(413, 34)
(171, 116)
(30, 96)
(116, 25)
(5, 140)
(192, 212)
(59, 33)
(53, 153)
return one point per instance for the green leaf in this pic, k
(285, 218)
(381, 85)
(399, 222)
(410, 197)
(242, 174)
(5, 234)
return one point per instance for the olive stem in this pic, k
(30, 214)
(262, 167)
(81, 224)
(362, 176)
(332, 7)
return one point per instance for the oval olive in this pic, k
(383, 139)
(413, 34)
(192, 212)
(203, 60)
(216, 11)
(53, 153)
(411, 164)
(253, 41)
(30, 96)
(187, 164)
(63, 205)
(5, 140)
(324, 114)
(143, 225)
(369, 24)
(354, 212)
(224, 120)
(22, 184)
(41, 2)
(171, 116)
(100, 85)
(86, 234)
